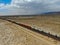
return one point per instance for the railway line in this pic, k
(55, 37)
(35, 36)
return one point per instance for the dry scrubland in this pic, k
(47, 23)
(12, 34)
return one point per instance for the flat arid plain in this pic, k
(13, 34)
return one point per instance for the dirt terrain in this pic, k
(47, 23)
(12, 34)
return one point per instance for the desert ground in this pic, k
(12, 34)
(47, 23)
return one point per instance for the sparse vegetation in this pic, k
(48, 23)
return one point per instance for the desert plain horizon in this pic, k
(23, 36)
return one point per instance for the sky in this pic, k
(27, 7)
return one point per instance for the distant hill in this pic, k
(52, 13)
(47, 14)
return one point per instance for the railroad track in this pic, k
(35, 30)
